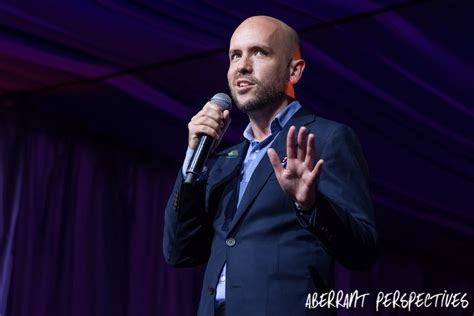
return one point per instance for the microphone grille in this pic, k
(222, 100)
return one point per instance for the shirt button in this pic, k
(230, 242)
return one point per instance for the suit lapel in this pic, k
(231, 160)
(264, 169)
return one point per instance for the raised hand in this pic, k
(299, 177)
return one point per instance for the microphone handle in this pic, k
(199, 158)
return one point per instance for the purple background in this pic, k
(94, 102)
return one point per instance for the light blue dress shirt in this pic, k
(256, 151)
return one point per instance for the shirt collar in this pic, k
(277, 123)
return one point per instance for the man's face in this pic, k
(259, 66)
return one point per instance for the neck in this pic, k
(260, 120)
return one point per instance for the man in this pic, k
(268, 218)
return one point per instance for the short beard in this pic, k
(265, 97)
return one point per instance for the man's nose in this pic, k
(245, 65)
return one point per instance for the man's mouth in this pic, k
(244, 85)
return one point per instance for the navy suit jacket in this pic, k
(275, 256)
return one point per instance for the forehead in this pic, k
(255, 33)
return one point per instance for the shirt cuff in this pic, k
(304, 216)
(187, 160)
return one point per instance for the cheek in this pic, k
(230, 75)
(270, 71)
(231, 70)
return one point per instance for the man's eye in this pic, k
(261, 52)
(234, 56)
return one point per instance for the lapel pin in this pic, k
(233, 154)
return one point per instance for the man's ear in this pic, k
(296, 70)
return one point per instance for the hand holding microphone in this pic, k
(206, 129)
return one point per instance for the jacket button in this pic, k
(330, 237)
(211, 290)
(230, 242)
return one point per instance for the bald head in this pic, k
(265, 64)
(283, 34)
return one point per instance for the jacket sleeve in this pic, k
(188, 227)
(344, 217)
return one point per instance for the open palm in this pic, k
(299, 177)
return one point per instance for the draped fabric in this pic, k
(82, 226)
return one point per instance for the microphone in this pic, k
(206, 142)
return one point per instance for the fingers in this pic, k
(316, 172)
(210, 115)
(275, 161)
(227, 121)
(301, 145)
(211, 120)
(226, 117)
(310, 152)
(309, 160)
(290, 143)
